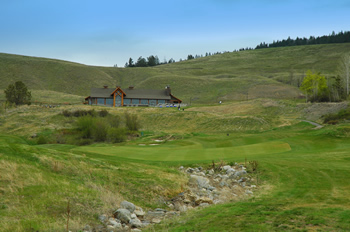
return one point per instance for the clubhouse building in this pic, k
(116, 97)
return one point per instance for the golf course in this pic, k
(53, 178)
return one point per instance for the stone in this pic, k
(189, 170)
(203, 205)
(204, 200)
(128, 205)
(181, 167)
(103, 218)
(226, 167)
(180, 207)
(133, 216)
(253, 186)
(211, 172)
(114, 223)
(87, 228)
(110, 228)
(248, 192)
(136, 230)
(230, 171)
(155, 213)
(123, 215)
(135, 223)
(139, 212)
(156, 220)
(200, 181)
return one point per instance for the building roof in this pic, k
(133, 93)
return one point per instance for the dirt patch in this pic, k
(315, 111)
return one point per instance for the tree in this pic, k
(131, 63)
(344, 70)
(315, 86)
(18, 93)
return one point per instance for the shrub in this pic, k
(116, 135)
(41, 140)
(103, 113)
(86, 126)
(100, 129)
(67, 113)
(131, 122)
(114, 121)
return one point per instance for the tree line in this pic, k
(341, 37)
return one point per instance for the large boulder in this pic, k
(128, 205)
(123, 215)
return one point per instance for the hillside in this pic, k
(234, 76)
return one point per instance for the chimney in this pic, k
(168, 90)
(131, 87)
(105, 86)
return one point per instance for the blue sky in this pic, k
(108, 32)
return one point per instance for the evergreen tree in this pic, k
(18, 93)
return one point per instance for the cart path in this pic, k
(317, 126)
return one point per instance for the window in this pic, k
(109, 101)
(135, 101)
(127, 101)
(152, 102)
(100, 101)
(118, 100)
(144, 101)
(161, 101)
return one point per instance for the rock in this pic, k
(189, 170)
(201, 174)
(181, 167)
(253, 186)
(135, 223)
(110, 228)
(136, 230)
(128, 205)
(226, 167)
(204, 200)
(139, 212)
(248, 192)
(200, 181)
(171, 206)
(103, 218)
(203, 205)
(156, 220)
(87, 228)
(180, 207)
(211, 172)
(133, 216)
(123, 215)
(114, 223)
(155, 213)
(230, 171)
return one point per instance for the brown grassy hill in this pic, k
(228, 76)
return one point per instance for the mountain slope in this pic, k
(228, 76)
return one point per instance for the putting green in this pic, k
(194, 152)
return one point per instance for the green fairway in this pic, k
(195, 152)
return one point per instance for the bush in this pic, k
(100, 129)
(114, 121)
(103, 113)
(41, 140)
(86, 126)
(131, 122)
(116, 135)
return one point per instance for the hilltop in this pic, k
(229, 76)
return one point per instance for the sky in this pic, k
(109, 32)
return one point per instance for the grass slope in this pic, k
(229, 76)
(303, 172)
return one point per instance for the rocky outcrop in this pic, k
(205, 187)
